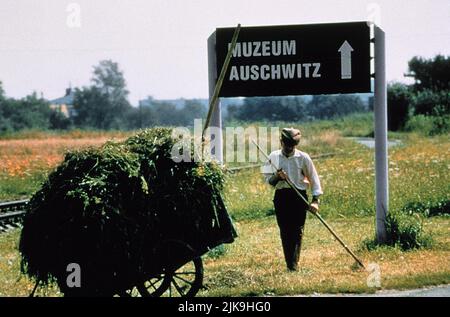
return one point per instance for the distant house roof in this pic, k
(65, 104)
(64, 109)
(66, 100)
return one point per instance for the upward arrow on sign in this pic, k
(346, 60)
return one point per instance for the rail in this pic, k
(12, 213)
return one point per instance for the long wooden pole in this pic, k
(218, 86)
(314, 213)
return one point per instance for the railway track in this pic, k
(12, 213)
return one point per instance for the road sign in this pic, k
(294, 59)
(307, 59)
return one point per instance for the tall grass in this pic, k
(64, 134)
(15, 188)
(429, 125)
(418, 172)
(24, 163)
(354, 125)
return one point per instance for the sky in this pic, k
(160, 45)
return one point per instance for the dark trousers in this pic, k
(290, 211)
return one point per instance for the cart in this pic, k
(179, 273)
(173, 265)
(180, 269)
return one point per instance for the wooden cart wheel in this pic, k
(184, 281)
(187, 280)
(151, 287)
(155, 286)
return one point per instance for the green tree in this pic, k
(329, 107)
(270, 108)
(399, 98)
(433, 74)
(5, 123)
(110, 80)
(192, 110)
(104, 105)
(2, 92)
(92, 108)
(30, 112)
(166, 113)
(430, 102)
(58, 121)
(140, 118)
(431, 92)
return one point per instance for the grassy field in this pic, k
(27, 159)
(254, 265)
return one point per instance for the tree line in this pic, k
(104, 104)
(425, 105)
(296, 108)
(31, 112)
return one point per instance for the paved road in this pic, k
(370, 142)
(435, 291)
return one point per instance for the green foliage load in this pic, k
(112, 209)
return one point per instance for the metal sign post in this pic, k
(381, 155)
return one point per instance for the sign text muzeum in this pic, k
(295, 59)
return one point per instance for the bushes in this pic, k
(430, 102)
(424, 106)
(431, 111)
(428, 208)
(428, 125)
(403, 231)
(30, 112)
(426, 112)
(398, 103)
